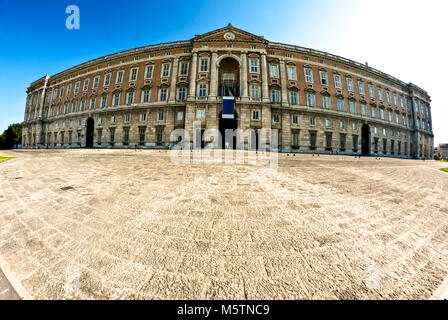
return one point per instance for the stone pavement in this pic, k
(120, 224)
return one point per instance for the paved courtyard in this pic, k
(124, 224)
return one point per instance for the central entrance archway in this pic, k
(365, 139)
(228, 124)
(89, 132)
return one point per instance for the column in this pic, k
(286, 131)
(264, 78)
(193, 70)
(244, 92)
(172, 97)
(213, 77)
(283, 78)
(266, 123)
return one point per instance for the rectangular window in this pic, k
(76, 87)
(295, 119)
(390, 115)
(328, 123)
(112, 119)
(61, 93)
(96, 80)
(293, 96)
(66, 108)
(103, 101)
(402, 102)
(326, 102)
(120, 76)
(292, 74)
(141, 133)
(382, 114)
(106, 80)
(116, 99)
(373, 112)
(380, 94)
(203, 65)
(308, 75)
(160, 116)
(145, 97)
(371, 91)
(337, 81)
(180, 116)
(363, 109)
(143, 117)
(349, 84)
(273, 70)
(275, 95)
(133, 75)
(340, 104)
(397, 118)
(148, 73)
(130, 97)
(127, 117)
(354, 126)
(163, 94)
(183, 68)
(361, 87)
(255, 115)
(395, 99)
(69, 89)
(323, 78)
(181, 94)
(342, 124)
(253, 65)
(276, 118)
(100, 120)
(202, 90)
(310, 100)
(83, 105)
(352, 107)
(200, 114)
(388, 96)
(92, 103)
(74, 106)
(254, 91)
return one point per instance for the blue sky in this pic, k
(398, 37)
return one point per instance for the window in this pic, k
(337, 81)
(371, 91)
(148, 73)
(361, 87)
(382, 114)
(253, 65)
(61, 93)
(125, 136)
(375, 130)
(92, 103)
(384, 131)
(103, 101)
(388, 96)
(163, 94)
(183, 68)
(116, 99)
(328, 123)
(326, 102)
(112, 119)
(229, 46)
(160, 116)
(96, 80)
(354, 126)
(74, 106)
(181, 94)
(133, 75)
(295, 119)
(349, 84)
(380, 94)
(312, 121)
(276, 118)
(363, 109)
(83, 105)
(204, 65)
(273, 70)
(130, 97)
(292, 74)
(255, 115)
(119, 76)
(402, 102)
(76, 87)
(146, 95)
(373, 112)
(200, 114)
(275, 95)
(395, 99)
(341, 124)
(100, 120)
(340, 103)
(352, 107)
(310, 100)
(253, 47)
(202, 90)
(141, 133)
(293, 96)
(69, 89)
(254, 91)
(127, 117)
(308, 75)
(143, 117)
(180, 115)
(165, 70)
(66, 108)
(397, 118)
(323, 78)
(107, 79)
(390, 115)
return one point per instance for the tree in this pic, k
(11, 136)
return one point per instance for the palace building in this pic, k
(228, 79)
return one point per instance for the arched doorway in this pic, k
(228, 124)
(89, 132)
(228, 77)
(365, 139)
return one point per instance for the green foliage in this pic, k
(444, 169)
(11, 136)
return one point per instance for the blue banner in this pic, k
(228, 107)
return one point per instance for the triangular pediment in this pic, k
(228, 33)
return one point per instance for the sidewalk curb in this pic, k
(14, 282)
